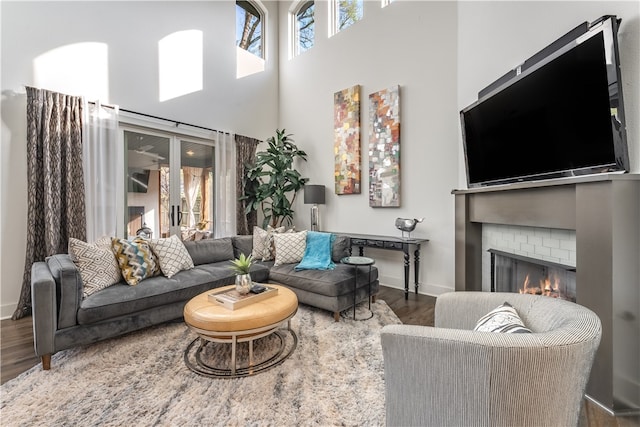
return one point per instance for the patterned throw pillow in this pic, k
(135, 259)
(289, 247)
(263, 247)
(502, 319)
(172, 255)
(98, 267)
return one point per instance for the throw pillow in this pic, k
(135, 259)
(263, 247)
(502, 319)
(97, 265)
(172, 255)
(317, 254)
(289, 247)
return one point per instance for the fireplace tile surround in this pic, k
(591, 222)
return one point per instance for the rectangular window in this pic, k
(249, 28)
(346, 13)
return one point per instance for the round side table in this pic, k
(359, 261)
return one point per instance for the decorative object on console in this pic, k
(314, 194)
(145, 232)
(241, 266)
(407, 225)
(271, 185)
(384, 148)
(346, 120)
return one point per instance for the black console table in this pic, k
(392, 243)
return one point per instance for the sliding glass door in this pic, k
(169, 185)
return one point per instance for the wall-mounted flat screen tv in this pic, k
(557, 116)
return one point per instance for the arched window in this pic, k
(345, 13)
(249, 28)
(303, 27)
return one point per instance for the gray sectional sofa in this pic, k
(62, 318)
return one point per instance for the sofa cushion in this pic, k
(324, 282)
(97, 264)
(258, 271)
(172, 255)
(135, 259)
(242, 245)
(341, 248)
(120, 299)
(289, 247)
(210, 250)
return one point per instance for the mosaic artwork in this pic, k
(346, 118)
(384, 148)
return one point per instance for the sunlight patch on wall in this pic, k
(247, 63)
(75, 69)
(180, 64)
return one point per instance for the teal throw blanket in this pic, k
(317, 254)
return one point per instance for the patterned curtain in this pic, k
(245, 154)
(55, 199)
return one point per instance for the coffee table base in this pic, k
(287, 341)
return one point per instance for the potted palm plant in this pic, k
(271, 184)
(241, 266)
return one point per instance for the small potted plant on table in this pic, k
(241, 266)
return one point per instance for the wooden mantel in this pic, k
(604, 211)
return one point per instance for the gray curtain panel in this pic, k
(245, 154)
(55, 199)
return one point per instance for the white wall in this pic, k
(126, 74)
(412, 44)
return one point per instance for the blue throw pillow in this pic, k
(317, 254)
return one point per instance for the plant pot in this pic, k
(243, 283)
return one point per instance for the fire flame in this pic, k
(545, 287)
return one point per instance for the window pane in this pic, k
(305, 26)
(349, 11)
(248, 28)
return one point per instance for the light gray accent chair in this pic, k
(449, 375)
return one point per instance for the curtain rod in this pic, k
(160, 118)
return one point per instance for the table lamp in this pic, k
(314, 194)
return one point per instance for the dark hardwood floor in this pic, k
(17, 354)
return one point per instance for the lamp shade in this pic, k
(314, 194)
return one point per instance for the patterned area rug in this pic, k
(334, 377)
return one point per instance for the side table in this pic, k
(359, 261)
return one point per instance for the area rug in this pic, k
(334, 377)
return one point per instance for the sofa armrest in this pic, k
(69, 289)
(44, 308)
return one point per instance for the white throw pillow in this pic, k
(172, 255)
(502, 319)
(263, 247)
(97, 264)
(289, 247)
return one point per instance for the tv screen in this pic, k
(138, 180)
(563, 116)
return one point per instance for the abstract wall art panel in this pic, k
(346, 118)
(384, 148)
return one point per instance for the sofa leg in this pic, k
(46, 362)
(373, 299)
(336, 316)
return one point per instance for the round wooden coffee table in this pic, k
(216, 324)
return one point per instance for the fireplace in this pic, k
(525, 275)
(603, 211)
